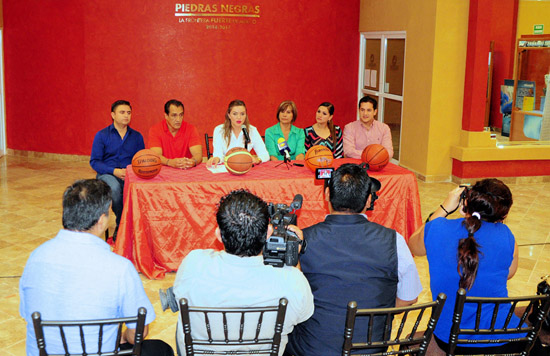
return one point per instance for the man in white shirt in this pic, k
(238, 277)
(75, 276)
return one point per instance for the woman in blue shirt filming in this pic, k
(478, 253)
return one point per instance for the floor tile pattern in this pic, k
(30, 214)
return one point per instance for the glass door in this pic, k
(382, 70)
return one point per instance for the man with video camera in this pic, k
(237, 276)
(350, 258)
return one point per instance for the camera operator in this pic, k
(350, 258)
(238, 277)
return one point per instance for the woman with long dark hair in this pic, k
(324, 132)
(478, 253)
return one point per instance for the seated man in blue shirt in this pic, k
(350, 258)
(112, 151)
(75, 276)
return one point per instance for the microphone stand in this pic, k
(246, 138)
(285, 161)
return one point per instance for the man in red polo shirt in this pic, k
(176, 141)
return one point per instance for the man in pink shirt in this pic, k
(366, 131)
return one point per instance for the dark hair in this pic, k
(285, 105)
(369, 99)
(349, 188)
(491, 199)
(243, 219)
(174, 102)
(118, 103)
(330, 124)
(84, 202)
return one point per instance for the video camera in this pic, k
(375, 185)
(282, 246)
(464, 193)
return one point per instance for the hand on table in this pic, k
(188, 163)
(181, 163)
(212, 162)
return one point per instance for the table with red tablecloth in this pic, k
(175, 212)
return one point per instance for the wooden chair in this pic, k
(537, 303)
(207, 140)
(414, 342)
(225, 344)
(84, 328)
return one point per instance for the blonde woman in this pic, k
(230, 134)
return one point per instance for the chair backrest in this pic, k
(207, 144)
(221, 340)
(408, 336)
(537, 303)
(84, 328)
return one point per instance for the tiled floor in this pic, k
(30, 213)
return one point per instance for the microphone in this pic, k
(283, 148)
(246, 136)
(297, 202)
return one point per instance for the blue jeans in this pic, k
(117, 189)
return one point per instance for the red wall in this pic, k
(67, 61)
(488, 169)
(493, 20)
(503, 32)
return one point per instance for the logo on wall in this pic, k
(219, 16)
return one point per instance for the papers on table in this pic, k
(219, 168)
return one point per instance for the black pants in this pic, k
(152, 348)
(509, 348)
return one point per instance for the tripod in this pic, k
(286, 161)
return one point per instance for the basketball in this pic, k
(146, 164)
(376, 156)
(318, 157)
(238, 161)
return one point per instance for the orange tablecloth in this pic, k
(166, 217)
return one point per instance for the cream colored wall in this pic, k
(448, 75)
(434, 76)
(533, 13)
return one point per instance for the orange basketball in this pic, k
(376, 156)
(235, 149)
(238, 161)
(319, 157)
(146, 164)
